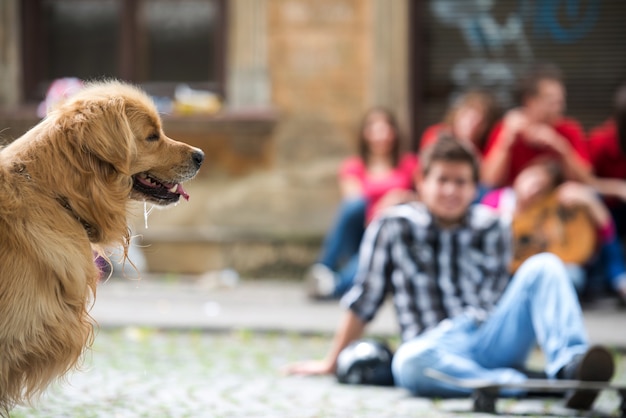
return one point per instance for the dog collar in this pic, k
(91, 231)
(20, 169)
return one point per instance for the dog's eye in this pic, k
(153, 138)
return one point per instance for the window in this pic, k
(155, 43)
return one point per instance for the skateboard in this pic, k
(486, 393)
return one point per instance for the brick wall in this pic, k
(319, 71)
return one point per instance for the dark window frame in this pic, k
(417, 60)
(34, 61)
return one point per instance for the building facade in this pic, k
(294, 78)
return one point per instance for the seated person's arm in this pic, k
(545, 136)
(394, 197)
(495, 165)
(351, 328)
(578, 194)
(610, 187)
(362, 306)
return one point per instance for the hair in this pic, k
(482, 99)
(619, 113)
(552, 167)
(528, 85)
(392, 121)
(450, 150)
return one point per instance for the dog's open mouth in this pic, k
(157, 191)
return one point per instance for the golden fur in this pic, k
(65, 188)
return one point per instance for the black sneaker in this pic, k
(596, 365)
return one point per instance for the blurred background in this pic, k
(273, 91)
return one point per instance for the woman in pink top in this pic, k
(377, 178)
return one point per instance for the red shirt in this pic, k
(434, 132)
(606, 156)
(523, 153)
(431, 134)
(374, 188)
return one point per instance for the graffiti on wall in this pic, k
(562, 21)
(499, 48)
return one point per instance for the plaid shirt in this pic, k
(433, 273)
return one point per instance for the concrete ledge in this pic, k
(252, 254)
(234, 144)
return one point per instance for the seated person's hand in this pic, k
(394, 197)
(515, 121)
(544, 136)
(620, 190)
(577, 194)
(309, 367)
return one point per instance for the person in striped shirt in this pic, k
(445, 263)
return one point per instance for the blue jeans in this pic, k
(345, 276)
(604, 272)
(539, 306)
(341, 244)
(618, 213)
(612, 258)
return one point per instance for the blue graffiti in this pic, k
(565, 21)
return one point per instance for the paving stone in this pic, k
(190, 347)
(143, 372)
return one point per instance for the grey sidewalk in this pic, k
(135, 370)
(212, 303)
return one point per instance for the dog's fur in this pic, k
(64, 190)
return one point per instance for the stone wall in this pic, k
(9, 54)
(319, 72)
(314, 58)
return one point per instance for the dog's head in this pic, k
(121, 133)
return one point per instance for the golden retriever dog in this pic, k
(65, 189)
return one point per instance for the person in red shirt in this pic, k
(537, 128)
(470, 118)
(379, 177)
(607, 148)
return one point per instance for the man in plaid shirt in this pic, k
(445, 263)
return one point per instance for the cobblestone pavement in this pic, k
(141, 372)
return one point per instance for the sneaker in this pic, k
(320, 282)
(596, 365)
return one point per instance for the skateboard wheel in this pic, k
(484, 402)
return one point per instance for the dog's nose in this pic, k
(197, 157)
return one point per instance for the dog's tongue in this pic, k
(182, 192)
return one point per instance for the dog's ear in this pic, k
(102, 129)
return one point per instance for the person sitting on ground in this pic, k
(469, 118)
(378, 178)
(537, 128)
(445, 261)
(607, 148)
(538, 182)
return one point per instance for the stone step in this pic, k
(250, 254)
